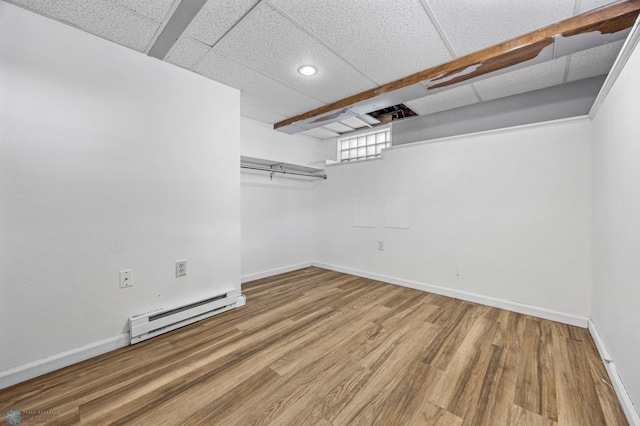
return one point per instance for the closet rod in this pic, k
(264, 169)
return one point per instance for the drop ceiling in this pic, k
(357, 45)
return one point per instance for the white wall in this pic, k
(108, 160)
(616, 225)
(276, 213)
(503, 215)
(261, 141)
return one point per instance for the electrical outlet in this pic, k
(380, 244)
(181, 268)
(126, 278)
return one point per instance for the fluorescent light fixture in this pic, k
(307, 70)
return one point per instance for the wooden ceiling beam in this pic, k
(606, 20)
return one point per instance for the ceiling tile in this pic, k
(339, 127)
(320, 133)
(186, 52)
(154, 9)
(99, 17)
(472, 25)
(586, 5)
(355, 122)
(442, 101)
(258, 45)
(535, 77)
(287, 48)
(259, 90)
(401, 34)
(255, 110)
(216, 18)
(593, 62)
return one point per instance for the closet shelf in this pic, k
(281, 167)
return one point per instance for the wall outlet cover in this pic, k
(181, 268)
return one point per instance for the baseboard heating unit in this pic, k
(150, 324)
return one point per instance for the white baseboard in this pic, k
(550, 314)
(51, 363)
(272, 272)
(623, 396)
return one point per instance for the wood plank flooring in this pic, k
(316, 347)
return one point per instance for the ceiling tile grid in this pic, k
(103, 18)
(287, 48)
(187, 52)
(154, 9)
(257, 89)
(216, 18)
(472, 25)
(213, 21)
(250, 108)
(258, 45)
(400, 34)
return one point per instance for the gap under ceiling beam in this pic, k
(590, 29)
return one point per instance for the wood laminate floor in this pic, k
(320, 347)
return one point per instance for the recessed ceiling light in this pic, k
(307, 70)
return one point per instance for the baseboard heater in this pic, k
(150, 324)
